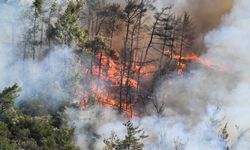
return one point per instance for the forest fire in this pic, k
(105, 91)
(124, 74)
(185, 59)
(195, 58)
(107, 72)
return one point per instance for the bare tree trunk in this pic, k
(97, 26)
(172, 46)
(92, 64)
(92, 27)
(100, 65)
(34, 37)
(153, 32)
(112, 34)
(42, 30)
(162, 52)
(110, 46)
(123, 63)
(143, 58)
(138, 36)
(130, 57)
(89, 25)
(139, 75)
(181, 46)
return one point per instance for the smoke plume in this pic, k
(196, 106)
(205, 13)
(227, 87)
(199, 104)
(45, 78)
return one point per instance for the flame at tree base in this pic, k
(105, 91)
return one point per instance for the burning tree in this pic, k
(118, 75)
(186, 35)
(165, 36)
(129, 70)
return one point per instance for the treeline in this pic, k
(28, 128)
(20, 129)
(142, 42)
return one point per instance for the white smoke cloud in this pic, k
(47, 77)
(227, 88)
(95, 124)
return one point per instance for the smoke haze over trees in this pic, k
(127, 75)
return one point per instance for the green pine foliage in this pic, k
(23, 131)
(67, 30)
(38, 6)
(7, 97)
(96, 45)
(132, 140)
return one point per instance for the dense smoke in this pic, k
(196, 106)
(226, 87)
(44, 79)
(95, 124)
(206, 15)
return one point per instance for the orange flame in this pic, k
(108, 73)
(192, 58)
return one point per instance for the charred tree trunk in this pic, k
(143, 58)
(130, 63)
(100, 65)
(153, 32)
(123, 63)
(162, 54)
(181, 46)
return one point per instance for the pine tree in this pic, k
(225, 136)
(37, 5)
(186, 35)
(132, 141)
(52, 13)
(67, 29)
(8, 96)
